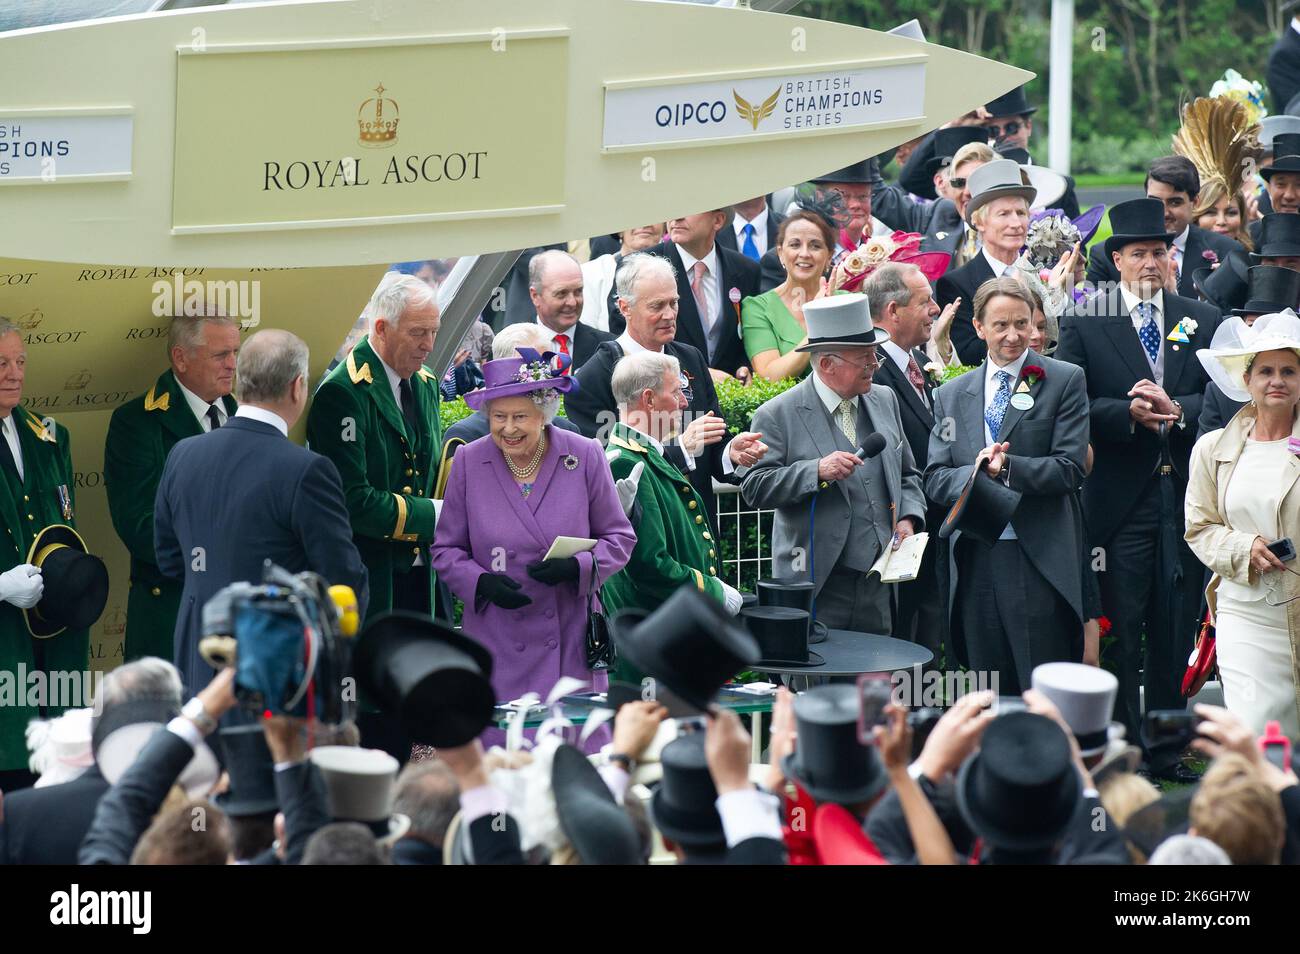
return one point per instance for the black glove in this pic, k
(500, 590)
(558, 570)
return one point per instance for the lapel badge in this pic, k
(1024, 387)
(1022, 400)
(570, 462)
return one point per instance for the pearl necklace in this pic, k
(523, 473)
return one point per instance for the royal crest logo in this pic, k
(77, 381)
(376, 130)
(31, 320)
(756, 114)
(114, 622)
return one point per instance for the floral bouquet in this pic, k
(1051, 236)
(1250, 93)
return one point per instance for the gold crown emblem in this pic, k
(115, 622)
(77, 381)
(377, 132)
(30, 320)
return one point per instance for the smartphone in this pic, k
(1283, 549)
(1275, 746)
(875, 690)
(1166, 727)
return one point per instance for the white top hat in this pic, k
(1236, 343)
(359, 787)
(118, 751)
(840, 321)
(1050, 186)
(1085, 696)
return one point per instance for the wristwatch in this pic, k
(194, 711)
(1182, 415)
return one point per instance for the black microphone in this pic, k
(872, 446)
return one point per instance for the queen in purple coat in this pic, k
(508, 497)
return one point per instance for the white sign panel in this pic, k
(53, 147)
(763, 106)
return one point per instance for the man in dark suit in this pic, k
(1282, 177)
(1137, 346)
(242, 494)
(903, 304)
(1283, 74)
(752, 229)
(926, 171)
(519, 304)
(555, 288)
(648, 301)
(711, 283)
(1019, 598)
(1175, 182)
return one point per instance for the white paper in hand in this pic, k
(903, 564)
(569, 546)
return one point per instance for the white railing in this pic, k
(749, 532)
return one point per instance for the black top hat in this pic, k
(76, 583)
(1228, 285)
(689, 644)
(1019, 791)
(682, 806)
(983, 509)
(597, 826)
(1279, 234)
(857, 172)
(796, 594)
(948, 141)
(1137, 220)
(782, 635)
(1286, 155)
(437, 680)
(829, 762)
(247, 760)
(1272, 289)
(1011, 104)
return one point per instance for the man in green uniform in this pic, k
(189, 399)
(376, 417)
(673, 544)
(36, 490)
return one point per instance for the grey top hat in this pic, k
(359, 787)
(1271, 126)
(1085, 696)
(840, 321)
(996, 180)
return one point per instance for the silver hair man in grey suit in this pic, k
(835, 512)
(1019, 601)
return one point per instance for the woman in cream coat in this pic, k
(1243, 493)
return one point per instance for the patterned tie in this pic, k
(697, 286)
(749, 248)
(846, 416)
(1148, 333)
(1176, 257)
(562, 342)
(915, 376)
(970, 245)
(997, 408)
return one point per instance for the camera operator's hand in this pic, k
(894, 739)
(217, 697)
(956, 735)
(555, 570)
(286, 737)
(500, 590)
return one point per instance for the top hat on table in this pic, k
(782, 634)
(76, 583)
(434, 678)
(794, 593)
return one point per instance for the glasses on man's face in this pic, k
(861, 197)
(872, 362)
(959, 183)
(1010, 129)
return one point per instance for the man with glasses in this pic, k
(1009, 125)
(836, 511)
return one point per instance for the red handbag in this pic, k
(1201, 663)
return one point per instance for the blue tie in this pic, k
(997, 408)
(1148, 333)
(749, 248)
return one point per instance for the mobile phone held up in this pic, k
(1275, 746)
(1169, 728)
(875, 690)
(1283, 549)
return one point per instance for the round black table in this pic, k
(850, 654)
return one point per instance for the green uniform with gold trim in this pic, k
(27, 506)
(388, 473)
(141, 434)
(673, 544)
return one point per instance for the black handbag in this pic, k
(600, 644)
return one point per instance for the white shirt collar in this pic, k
(1131, 300)
(900, 356)
(1295, 24)
(263, 415)
(990, 369)
(658, 446)
(998, 267)
(710, 261)
(631, 346)
(830, 399)
(200, 407)
(394, 380)
(759, 222)
(1181, 240)
(555, 334)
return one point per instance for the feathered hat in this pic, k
(1218, 136)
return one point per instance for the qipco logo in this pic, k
(684, 114)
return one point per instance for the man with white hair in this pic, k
(190, 398)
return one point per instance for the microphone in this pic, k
(872, 446)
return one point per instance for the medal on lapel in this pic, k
(65, 501)
(570, 462)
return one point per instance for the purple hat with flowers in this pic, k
(531, 371)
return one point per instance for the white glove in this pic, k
(627, 488)
(733, 598)
(22, 586)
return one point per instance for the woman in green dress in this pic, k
(772, 323)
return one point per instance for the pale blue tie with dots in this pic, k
(1148, 333)
(997, 408)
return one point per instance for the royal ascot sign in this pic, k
(757, 105)
(65, 145)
